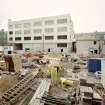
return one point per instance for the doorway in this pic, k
(49, 50)
(74, 47)
(61, 50)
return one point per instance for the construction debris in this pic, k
(47, 78)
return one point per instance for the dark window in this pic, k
(74, 46)
(49, 50)
(9, 52)
(95, 51)
(10, 38)
(18, 46)
(18, 38)
(37, 38)
(91, 52)
(27, 38)
(10, 32)
(27, 49)
(62, 37)
(61, 50)
(95, 42)
(62, 45)
(49, 37)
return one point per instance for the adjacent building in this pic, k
(51, 34)
(3, 38)
(87, 43)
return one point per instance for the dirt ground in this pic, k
(7, 81)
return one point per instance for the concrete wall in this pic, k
(85, 42)
(52, 46)
(83, 47)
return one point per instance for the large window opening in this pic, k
(62, 45)
(18, 46)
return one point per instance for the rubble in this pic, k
(68, 75)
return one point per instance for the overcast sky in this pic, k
(87, 15)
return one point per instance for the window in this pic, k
(27, 25)
(62, 29)
(26, 31)
(49, 37)
(9, 52)
(37, 23)
(62, 45)
(37, 38)
(17, 38)
(49, 30)
(10, 39)
(62, 37)
(27, 49)
(95, 51)
(91, 52)
(17, 25)
(10, 32)
(27, 38)
(18, 32)
(95, 42)
(10, 26)
(38, 31)
(62, 21)
(76, 76)
(49, 22)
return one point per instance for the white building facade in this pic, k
(51, 34)
(87, 43)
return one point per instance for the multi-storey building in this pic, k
(52, 34)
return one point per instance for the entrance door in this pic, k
(74, 47)
(61, 50)
(49, 50)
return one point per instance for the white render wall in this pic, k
(52, 44)
(83, 46)
(85, 42)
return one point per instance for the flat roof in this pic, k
(37, 18)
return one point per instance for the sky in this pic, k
(87, 15)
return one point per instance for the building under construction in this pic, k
(45, 65)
